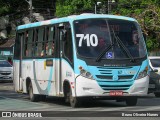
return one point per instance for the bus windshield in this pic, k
(121, 38)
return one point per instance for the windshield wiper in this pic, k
(123, 46)
(103, 52)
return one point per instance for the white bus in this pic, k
(82, 56)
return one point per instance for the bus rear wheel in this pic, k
(32, 96)
(131, 101)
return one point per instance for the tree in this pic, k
(11, 12)
(148, 15)
(70, 7)
(18, 12)
(8, 7)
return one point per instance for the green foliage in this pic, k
(64, 8)
(152, 43)
(147, 12)
(4, 7)
(12, 6)
(68, 7)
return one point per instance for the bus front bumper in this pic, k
(86, 87)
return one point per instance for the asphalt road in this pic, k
(55, 107)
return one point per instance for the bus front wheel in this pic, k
(32, 96)
(131, 101)
(74, 101)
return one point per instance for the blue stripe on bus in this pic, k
(50, 79)
(115, 83)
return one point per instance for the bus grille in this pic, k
(106, 82)
(5, 73)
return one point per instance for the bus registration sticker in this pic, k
(116, 93)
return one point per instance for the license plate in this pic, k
(152, 86)
(116, 93)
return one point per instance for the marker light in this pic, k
(80, 67)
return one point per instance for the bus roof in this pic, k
(72, 18)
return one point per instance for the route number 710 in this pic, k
(92, 40)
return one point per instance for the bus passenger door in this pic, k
(65, 55)
(60, 51)
(17, 66)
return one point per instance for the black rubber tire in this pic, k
(66, 90)
(42, 97)
(157, 94)
(67, 97)
(33, 97)
(131, 101)
(74, 101)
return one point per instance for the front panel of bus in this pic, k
(111, 58)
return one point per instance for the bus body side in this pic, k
(47, 74)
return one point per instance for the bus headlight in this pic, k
(142, 74)
(86, 74)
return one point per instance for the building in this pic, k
(6, 48)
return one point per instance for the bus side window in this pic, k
(40, 41)
(25, 44)
(46, 41)
(29, 43)
(51, 40)
(36, 42)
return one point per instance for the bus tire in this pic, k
(157, 94)
(33, 97)
(74, 101)
(131, 101)
(43, 97)
(66, 89)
